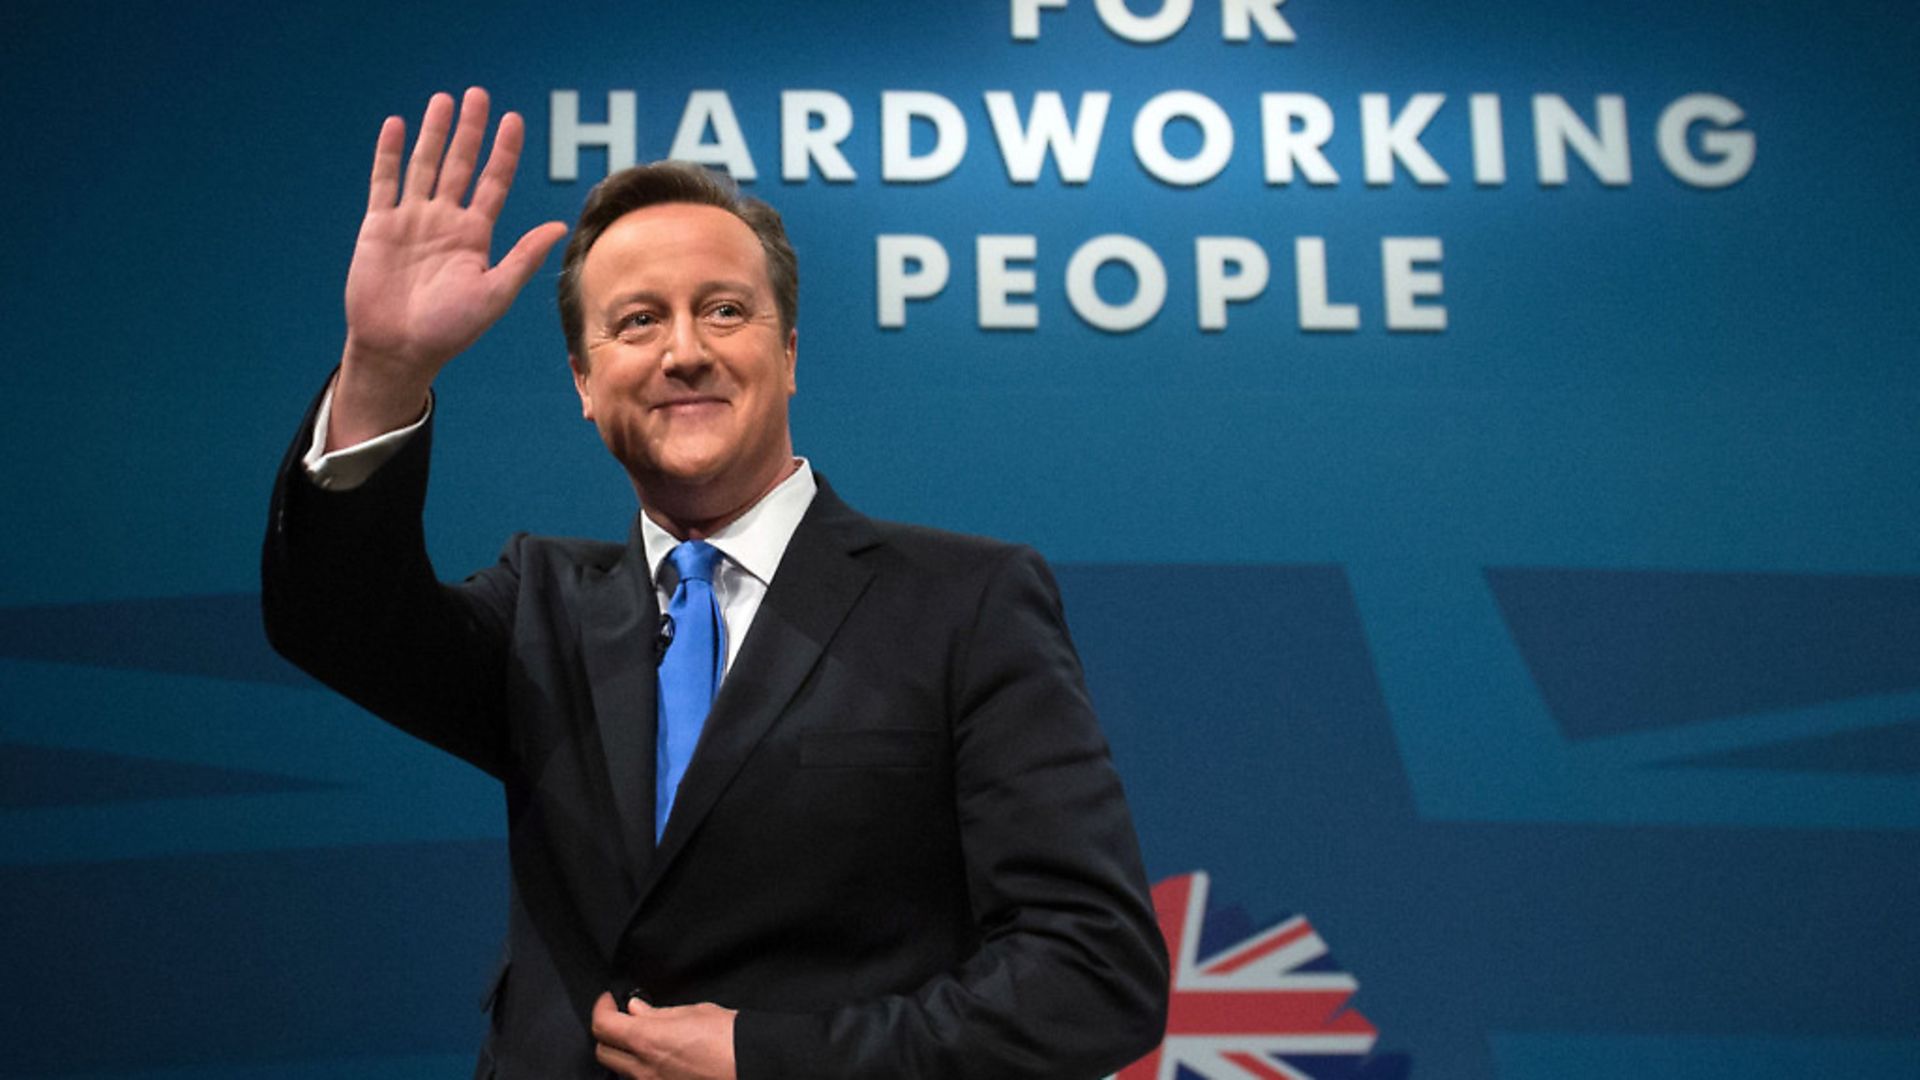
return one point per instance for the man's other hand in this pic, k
(420, 289)
(689, 1042)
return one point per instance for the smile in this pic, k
(693, 404)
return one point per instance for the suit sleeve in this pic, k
(1069, 981)
(348, 595)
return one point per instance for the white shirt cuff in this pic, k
(349, 467)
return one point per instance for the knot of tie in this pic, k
(694, 560)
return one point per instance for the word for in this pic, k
(1697, 137)
(1227, 270)
(1238, 19)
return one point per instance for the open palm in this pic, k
(420, 289)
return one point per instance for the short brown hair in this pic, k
(661, 182)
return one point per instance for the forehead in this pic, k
(686, 244)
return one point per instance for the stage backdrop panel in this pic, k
(1476, 441)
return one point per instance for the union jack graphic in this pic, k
(1269, 1006)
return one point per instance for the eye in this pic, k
(635, 323)
(726, 311)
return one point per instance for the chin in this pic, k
(648, 462)
(676, 475)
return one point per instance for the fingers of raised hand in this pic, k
(440, 168)
(423, 169)
(385, 184)
(490, 194)
(465, 148)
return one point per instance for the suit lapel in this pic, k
(619, 620)
(817, 584)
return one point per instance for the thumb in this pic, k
(518, 266)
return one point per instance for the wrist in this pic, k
(372, 397)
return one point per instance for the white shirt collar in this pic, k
(756, 540)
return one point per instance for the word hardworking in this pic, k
(1697, 137)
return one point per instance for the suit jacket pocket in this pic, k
(874, 748)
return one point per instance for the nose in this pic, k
(686, 353)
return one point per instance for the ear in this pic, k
(793, 355)
(581, 385)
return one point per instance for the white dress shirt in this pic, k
(753, 543)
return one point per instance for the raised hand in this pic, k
(420, 289)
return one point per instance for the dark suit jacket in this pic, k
(900, 849)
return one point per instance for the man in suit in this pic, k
(891, 845)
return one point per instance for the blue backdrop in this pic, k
(1570, 678)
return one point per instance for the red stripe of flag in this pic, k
(1264, 1012)
(1265, 948)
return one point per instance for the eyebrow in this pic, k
(615, 303)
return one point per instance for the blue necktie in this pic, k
(689, 672)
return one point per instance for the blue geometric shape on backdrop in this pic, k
(40, 776)
(1246, 715)
(1621, 651)
(247, 959)
(217, 635)
(1248, 719)
(1886, 750)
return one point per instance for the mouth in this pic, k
(692, 404)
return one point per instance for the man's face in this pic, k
(687, 372)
